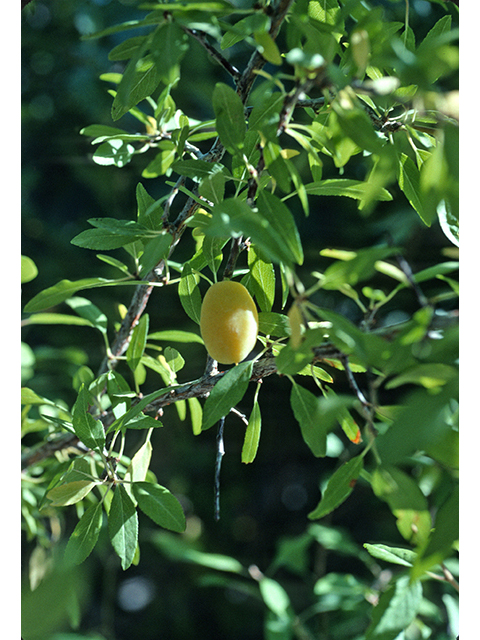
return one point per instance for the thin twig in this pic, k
(216, 55)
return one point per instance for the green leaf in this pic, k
(123, 526)
(229, 117)
(114, 152)
(429, 375)
(196, 413)
(409, 183)
(305, 408)
(273, 324)
(395, 555)
(189, 293)
(70, 492)
(244, 28)
(442, 538)
(28, 396)
(406, 501)
(61, 291)
(175, 335)
(139, 81)
(395, 610)
(354, 266)
(343, 187)
(102, 131)
(252, 434)
(265, 117)
(162, 161)
(233, 217)
(88, 430)
(422, 420)
(29, 270)
(90, 312)
(85, 535)
(198, 169)
(156, 250)
(138, 468)
(137, 343)
(160, 505)
(57, 318)
(282, 221)
(111, 233)
(169, 45)
(261, 280)
(127, 49)
(268, 47)
(338, 488)
(275, 597)
(226, 393)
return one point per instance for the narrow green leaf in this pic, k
(87, 310)
(28, 396)
(227, 392)
(175, 335)
(409, 183)
(279, 217)
(343, 187)
(305, 408)
(160, 505)
(189, 293)
(261, 280)
(196, 413)
(85, 535)
(123, 526)
(61, 291)
(137, 343)
(70, 493)
(338, 488)
(169, 46)
(395, 555)
(56, 318)
(229, 117)
(252, 435)
(139, 81)
(88, 430)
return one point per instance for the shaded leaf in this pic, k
(227, 392)
(229, 117)
(85, 535)
(338, 488)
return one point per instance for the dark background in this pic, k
(263, 502)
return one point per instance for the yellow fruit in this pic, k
(228, 322)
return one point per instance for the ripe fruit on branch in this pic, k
(228, 322)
